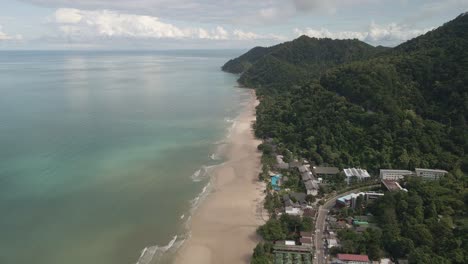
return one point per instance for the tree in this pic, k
(310, 198)
(272, 230)
(307, 224)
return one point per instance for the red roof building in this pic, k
(352, 258)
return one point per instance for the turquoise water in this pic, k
(97, 150)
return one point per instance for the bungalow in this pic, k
(295, 199)
(303, 169)
(310, 212)
(295, 164)
(306, 239)
(312, 187)
(293, 210)
(332, 242)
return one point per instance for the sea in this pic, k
(104, 155)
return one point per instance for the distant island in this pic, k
(346, 128)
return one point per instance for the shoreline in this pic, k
(223, 228)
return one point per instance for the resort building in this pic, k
(429, 174)
(350, 199)
(325, 171)
(394, 175)
(360, 174)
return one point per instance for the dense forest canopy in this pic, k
(346, 103)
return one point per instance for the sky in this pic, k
(213, 24)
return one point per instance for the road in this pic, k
(320, 224)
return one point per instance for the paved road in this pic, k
(320, 225)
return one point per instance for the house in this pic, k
(311, 187)
(429, 174)
(394, 175)
(353, 259)
(310, 212)
(276, 182)
(325, 171)
(307, 176)
(303, 169)
(306, 239)
(332, 242)
(293, 210)
(295, 164)
(360, 174)
(295, 199)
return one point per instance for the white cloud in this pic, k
(325, 33)
(83, 24)
(4, 36)
(390, 34)
(212, 11)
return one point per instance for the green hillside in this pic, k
(346, 103)
(297, 61)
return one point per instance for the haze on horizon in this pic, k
(213, 24)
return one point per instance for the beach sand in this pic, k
(223, 228)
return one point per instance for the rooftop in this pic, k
(303, 168)
(431, 170)
(396, 171)
(326, 170)
(353, 257)
(311, 185)
(360, 173)
(392, 185)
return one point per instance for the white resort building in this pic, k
(429, 174)
(394, 175)
(360, 174)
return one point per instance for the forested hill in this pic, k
(346, 103)
(297, 61)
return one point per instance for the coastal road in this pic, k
(320, 224)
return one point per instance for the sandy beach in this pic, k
(223, 229)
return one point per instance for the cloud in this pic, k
(390, 34)
(76, 24)
(4, 36)
(212, 11)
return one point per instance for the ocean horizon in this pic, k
(105, 155)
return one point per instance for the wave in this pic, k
(155, 252)
(203, 173)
